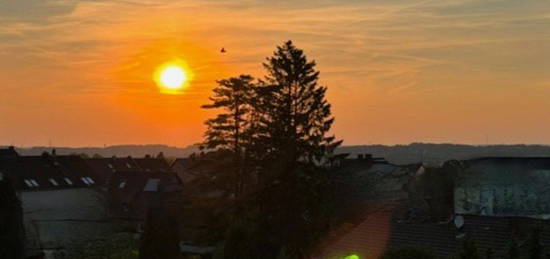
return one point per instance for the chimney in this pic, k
(53, 152)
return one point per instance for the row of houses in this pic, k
(495, 202)
(69, 201)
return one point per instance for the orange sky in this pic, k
(79, 73)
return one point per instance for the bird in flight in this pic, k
(223, 50)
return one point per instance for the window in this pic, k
(90, 180)
(34, 183)
(28, 183)
(152, 185)
(128, 165)
(68, 181)
(122, 184)
(54, 183)
(110, 166)
(85, 180)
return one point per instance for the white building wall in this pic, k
(62, 220)
(493, 192)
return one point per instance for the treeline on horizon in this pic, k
(430, 153)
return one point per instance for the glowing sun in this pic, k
(172, 77)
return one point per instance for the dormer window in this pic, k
(68, 181)
(32, 183)
(152, 185)
(122, 184)
(90, 180)
(28, 183)
(85, 180)
(54, 183)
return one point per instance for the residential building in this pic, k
(497, 201)
(62, 207)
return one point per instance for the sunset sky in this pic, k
(79, 73)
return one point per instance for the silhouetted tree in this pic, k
(271, 142)
(534, 246)
(160, 155)
(489, 253)
(11, 221)
(436, 187)
(295, 119)
(513, 250)
(469, 250)
(227, 131)
(160, 239)
(295, 110)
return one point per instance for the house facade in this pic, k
(504, 187)
(496, 202)
(62, 207)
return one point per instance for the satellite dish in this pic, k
(459, 221)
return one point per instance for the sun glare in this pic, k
(172, 77)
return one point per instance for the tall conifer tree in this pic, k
(297, 113)
(296, 120)
(228, 130)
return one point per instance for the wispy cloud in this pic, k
(408, 58)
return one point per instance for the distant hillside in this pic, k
(400, 154)
(120, 151)
(435, 154)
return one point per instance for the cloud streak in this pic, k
(418, 64)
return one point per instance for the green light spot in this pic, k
(353, 256)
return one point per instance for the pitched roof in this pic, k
(183, 169)
(181, 161)
(517, 162)
(36, 173)
(8, 152)
(102, 168)
(384, 228)
(124, 164)
(150, 164)
(380, 231)
(132, 193)
(77, 167)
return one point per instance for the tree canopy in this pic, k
(275, 133)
